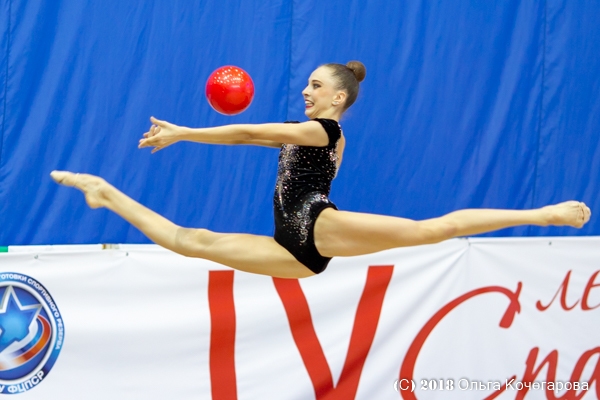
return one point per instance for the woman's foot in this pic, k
(571, 213)
(95, 188)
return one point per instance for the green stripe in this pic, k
(3, 249)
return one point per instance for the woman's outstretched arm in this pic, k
(163, 134)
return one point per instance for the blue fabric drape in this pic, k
(465, 104)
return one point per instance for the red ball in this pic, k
(229, 90)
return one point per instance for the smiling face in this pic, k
(321, 98)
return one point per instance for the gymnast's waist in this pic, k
(291, 200)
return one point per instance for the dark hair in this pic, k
(348, 77)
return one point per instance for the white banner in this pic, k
(515, 318)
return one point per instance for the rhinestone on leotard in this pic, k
(303, 183)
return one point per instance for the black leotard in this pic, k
(303, 182)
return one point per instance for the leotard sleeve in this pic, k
(332, 128)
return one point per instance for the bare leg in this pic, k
(250, 253)
(341, 233)
(337, 233)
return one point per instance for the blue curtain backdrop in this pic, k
(465, 104)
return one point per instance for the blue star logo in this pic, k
(15, 319)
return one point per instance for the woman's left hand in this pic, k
(160, 135)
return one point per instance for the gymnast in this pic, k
(309, 229)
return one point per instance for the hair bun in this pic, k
(358, 69)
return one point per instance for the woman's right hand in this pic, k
(160, 135)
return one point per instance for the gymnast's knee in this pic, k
(192, 242)
(437, 230)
